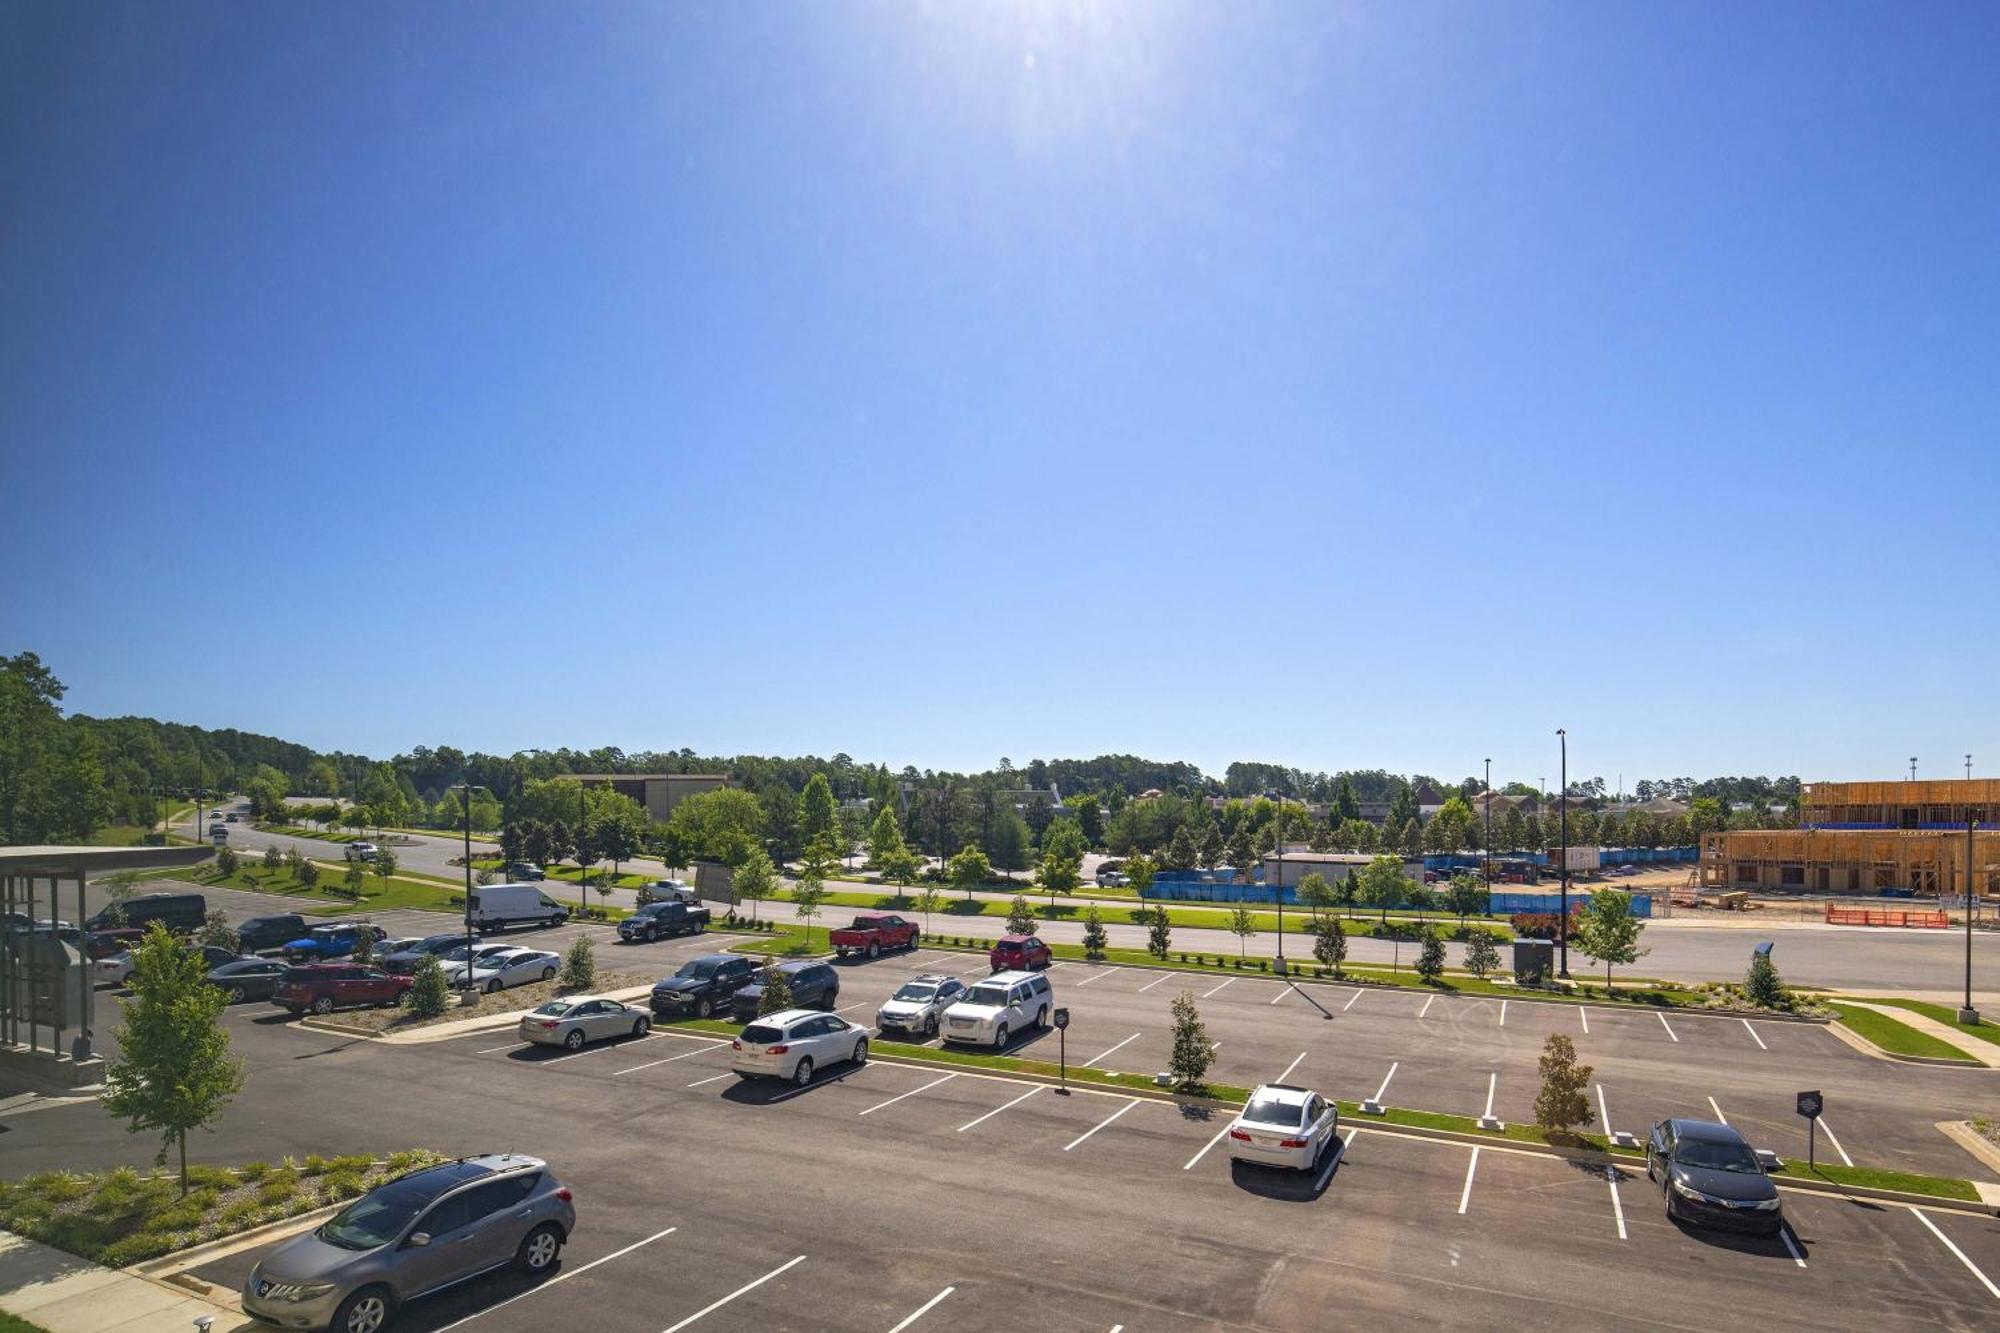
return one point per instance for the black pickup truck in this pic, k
(657, 920)
(703, 985)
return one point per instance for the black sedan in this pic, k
(1711, 1177)
(248, 978)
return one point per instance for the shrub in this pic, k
(429, 994)
(1540, 925)
(579, 969)
(1430, 958)
(1763, 986)
(314, 1165)
(1562, 1104)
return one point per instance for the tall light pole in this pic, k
(465, 790)
(1913, 768)
(1280, 845)
(1486, 841)
(1562, 800)
(1966, 1013)
(1968, 768)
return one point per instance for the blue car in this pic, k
(323, 943)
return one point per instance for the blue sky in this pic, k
(1336, 385)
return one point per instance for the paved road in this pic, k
(889, 1197)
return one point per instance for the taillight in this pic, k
(563, 1194)
(548, 1025)
(779, 1049)
(1291, 1143)
(1239, 1136)
(736, 1045)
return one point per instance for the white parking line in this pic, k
(856, 1005)
(559, 1277)
(699, 1050)
(1429, 1000)
(1206, 1146)
(1835, 1141)
(1350, 1002)
(717, 1079)
(911, 1093)
(508, 1047)
(1283, 991)
(1295, 1064)
(1603, 1111)
(1100, 1124)
(1617, 1208)
(1465, 1195)
(1393, 1067)
(1154, 982)
(1719, 1116)
(1785, 1235)
(922, 1310)
(1973, 1268)
(1665, 1024)
(1106, 1054)
(1492, 1082)
(1753, 1036)
(1503, 1013)
(1097, 977)
(592, 1050)
(1230, 981)
(997, 1110)
(1584, 1014)
(746, 1287)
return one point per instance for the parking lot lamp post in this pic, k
(1562, 804)
(1280, 891)
(1966, 1013)
(1486, 839)
(465, 803)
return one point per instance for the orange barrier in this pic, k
(1885, 916)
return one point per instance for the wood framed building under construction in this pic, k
(1868, 839)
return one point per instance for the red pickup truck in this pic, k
(872, 932)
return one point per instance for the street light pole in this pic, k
(1486, 841)
(1280, 845)
(1562, 923)
(465, 808)
(1966, 1013)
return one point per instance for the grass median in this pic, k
(1894, 1037)
(329, 896)
(1946, 1015)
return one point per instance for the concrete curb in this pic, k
(173, 1265)
(1962, 1133)
(457, 1027)
(1870, 1049)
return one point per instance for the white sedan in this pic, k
(791, 1043)
(1283, 1126)
(507, 967)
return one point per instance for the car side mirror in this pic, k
(419, 1239)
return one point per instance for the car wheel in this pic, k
(874, 950)
(493, 986)
(539, 1249)
(641, 1026)
(548, 974)
(930, 1027)
(704, 1007)
(1000, 1038)
(648, 935)
(803, 1074)
(861, 1051)
(237, 995)
(322, 1004)
(366, 1311)
(1042, 1018)
(699, 927)
(574, 1039)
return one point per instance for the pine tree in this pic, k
(1562, 1103)
(579, 968)
(429, 995)
(777, 995)
(1192, 1052)
(1159, 933)
(1763, 986)
(1430, 957)
(819, 815)
(1094, 936)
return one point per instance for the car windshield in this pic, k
(375, 1219)
(1271, 1111)
(996, 995)
(556, 1008)
(1711, 1155)
(762, 1034)
(701, 970)
(914, 991)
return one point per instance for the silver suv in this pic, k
(417, 1233)
(916, 1005)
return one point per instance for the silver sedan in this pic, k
(578, 1019)
(511, 967)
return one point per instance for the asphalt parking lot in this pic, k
(901, 1197)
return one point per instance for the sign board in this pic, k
(1762, 951)
(1061, 1018)
(1580, 858)
(1810, 1105)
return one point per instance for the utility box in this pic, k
(1534, 962)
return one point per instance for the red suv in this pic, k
(324, 987)
(1018, 953)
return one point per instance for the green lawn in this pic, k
(1899, 1038)
(118, 835)
(1868, 1177)
(328, 897)
(1947, 1015)
(15, 1324)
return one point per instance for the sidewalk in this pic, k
(1985, 1052)
(65, 1294)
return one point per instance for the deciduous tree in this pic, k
(1192, 1050)
(1608, 930)
(1562, 1103)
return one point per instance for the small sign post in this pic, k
(1061, 1019)
(1810, 1105)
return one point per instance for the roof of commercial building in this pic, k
(55, 860)
(649, 777)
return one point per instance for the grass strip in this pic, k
(1946, 1015)
(1868, 1177)
(1897, 1038)
(10, 1323)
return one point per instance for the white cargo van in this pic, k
(498, 906)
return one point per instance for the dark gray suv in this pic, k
(414, 1235)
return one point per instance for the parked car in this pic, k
(181, 913)
(362, 851)
(332, 941)
(420, 1232)
(116, 969)
(1112, 879)
(576, 1019)
(1019, 953)
(325, 987)
(405, 961)
(918, 1004)
(871, 933)
(791, 1043)
(453, 958)
(1282, 1125)
(104, 943)
(702, 985)
(498, 906)
(259, 933)
(660, 920)
(998, 1007)
(815, 985)
(230, 818)
(671, 890)
(217, 834)
(526, 871)
(248, 978)
(1711, 1177)
(510, 967)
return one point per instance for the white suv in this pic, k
(792, 1043)
(998, 1007)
